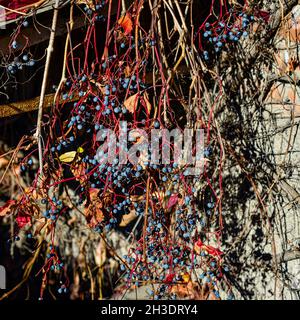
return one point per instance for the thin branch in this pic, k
(38, 134)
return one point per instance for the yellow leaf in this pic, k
(131, 103)
(80, 150)
(68, 156)
(186, 277)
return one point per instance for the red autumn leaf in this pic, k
(172, 201)
(22, 220)
(209, 249)
(126, 23)
(4, 210)
(169, 278)
(17, 5)
(264, 15)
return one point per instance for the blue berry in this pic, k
(14, 44)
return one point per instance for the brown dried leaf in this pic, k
(94, 207)
(98, 85)
(127, 218)
(127, 71)
(6, 209)
(89, 3)
(131, 103)
(100, 253)
(192, 291)
(3, 162)
(78, 170)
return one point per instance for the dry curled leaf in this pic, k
(192, 291)
(7, 208)
(127, 71)
(127, 218)
(68, 156)
(100, 253)
(78, 170)
(131, 103)
(88, 3)
(3, 162)
(93, 211)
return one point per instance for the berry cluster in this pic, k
(230, 27)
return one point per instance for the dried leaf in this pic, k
(93, 210)
(68, 156)
(189, 291)
(78, 171)
(127, 71)
(186, 277)
(126, 23)
(98, 85)
(127, 218)
(100, 253)
(35, 194)
(3, 162)
(89, 3)
(131, 103)
(6, 209)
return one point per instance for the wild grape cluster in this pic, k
(218, 35)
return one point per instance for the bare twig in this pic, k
(38, 133)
